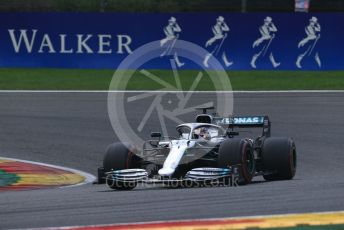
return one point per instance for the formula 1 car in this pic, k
(207, 151)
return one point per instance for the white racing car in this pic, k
(208, 151)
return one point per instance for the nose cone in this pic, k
(172, 161)
(166, 172)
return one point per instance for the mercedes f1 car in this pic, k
(207, 151)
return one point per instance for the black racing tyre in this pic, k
(279, 158)
(118, 156)
(238, 152)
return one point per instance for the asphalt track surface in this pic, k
(73, 129)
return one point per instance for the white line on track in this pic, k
(160, 91)
(89, 178)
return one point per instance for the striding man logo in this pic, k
(215, 43)
(309, 43)
(171, 31)
(263, 44)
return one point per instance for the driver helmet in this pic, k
(204, 133)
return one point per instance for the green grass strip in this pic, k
(7, 179)
(81, 79)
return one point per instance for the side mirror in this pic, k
(232, 133)
(156, 134)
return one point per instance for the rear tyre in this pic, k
(238, 152)
(279, 158)
(118, 156)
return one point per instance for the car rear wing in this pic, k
(245, 122)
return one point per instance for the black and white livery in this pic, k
(207, 151)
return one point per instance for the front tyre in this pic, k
(279, 158)
(238, 152)
(119, 156)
